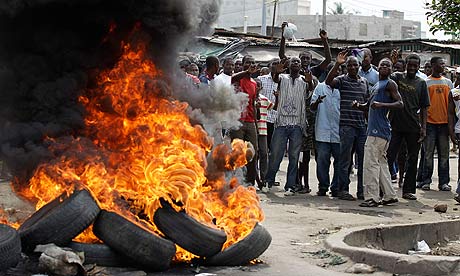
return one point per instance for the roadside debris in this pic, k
(440, 208)
(332, 258)
(60, 261)
(421, 247)
(360, 268)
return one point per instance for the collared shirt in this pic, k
(371, 75)
(291, 102)
(268, 87)
(328, 114)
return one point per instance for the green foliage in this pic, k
(444, 15)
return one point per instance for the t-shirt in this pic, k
(414, 95)
(350, 90)
(248, 86)
(265, 105)
(438, 89)
(224, 79)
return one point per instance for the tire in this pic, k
(143, 247)
(188, 233)
(242, 252)
(99, 254)
(59, 221)
(10, 247)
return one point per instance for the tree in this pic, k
(444, 16)
(338, 9)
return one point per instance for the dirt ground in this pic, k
(299, 225)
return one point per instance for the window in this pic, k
(362, 29)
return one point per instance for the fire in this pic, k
(139, 146)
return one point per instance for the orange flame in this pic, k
(138, 147)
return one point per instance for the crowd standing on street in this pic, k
(381, 120)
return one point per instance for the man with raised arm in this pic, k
(352, 88)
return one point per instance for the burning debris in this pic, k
(90, 101)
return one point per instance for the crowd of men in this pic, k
(379, 120)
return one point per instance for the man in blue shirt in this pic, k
(326, 102)
(366, 70)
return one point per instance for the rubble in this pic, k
(440, 208)
(60, 261)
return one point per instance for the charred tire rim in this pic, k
(10, 247)
(242, 252)
(188, 233)
(99, 254)
(59, 221)
(132, 241)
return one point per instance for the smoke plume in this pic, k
(53, 50)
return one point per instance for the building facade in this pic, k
(233, 12)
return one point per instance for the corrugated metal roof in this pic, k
(442, 45)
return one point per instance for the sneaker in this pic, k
(394, 178)
(289, 192)
(265, 189)
(303, 190)
(347, 196)
(457, 198)
(409, 196)
(369, 203)
(426, 187)
(445, 188)
(419, 184)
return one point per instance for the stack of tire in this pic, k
(127, 243)
(10, 247)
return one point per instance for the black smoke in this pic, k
(52, 50)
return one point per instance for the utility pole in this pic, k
(263, 28)
(324, 15)
(274, 16)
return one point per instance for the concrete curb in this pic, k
(350, 242)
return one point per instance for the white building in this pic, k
(233, 12)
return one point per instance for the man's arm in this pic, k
(327, 51)
(392, 89)
(330, 79)
(451, 119)
(282, 50)
(244, 74)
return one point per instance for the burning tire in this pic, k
(10, 247)
(188, 233)
(242, 252)
(99, 254)
(59, 221)
(138, 244)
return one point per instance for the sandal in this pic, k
(369, 203)
(445, 188)
(426, 187)
(347, 196)
(390, 201)
(409, 196)
(457, 198)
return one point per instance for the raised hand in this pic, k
(322, 34)
(342, 57)
(394, 55)
(279, 68)
(253, 69)
(308, 76)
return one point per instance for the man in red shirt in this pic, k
(248, 130)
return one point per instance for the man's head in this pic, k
(258, 84)
(457, 73)
(238, 66)
(212, 65)
(184, 63)
(399, 66)
(193, 69)
(228, 66)
(352, 66)
(437, 65)
(412, 65)
(294, 65)
(305, 58)
(273, 63)
(248, 61)
(367, 58)
(427, 68)
(264, 71)
(385, 68)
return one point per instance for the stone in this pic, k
(441, 208)
(359, 268)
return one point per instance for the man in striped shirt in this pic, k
(352, 87)
(290, 122)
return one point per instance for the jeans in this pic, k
(348, 136)
(263, 156)
(281, 136)
(437, 135)
(248, 132)
(323, 161)
(413, 147)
